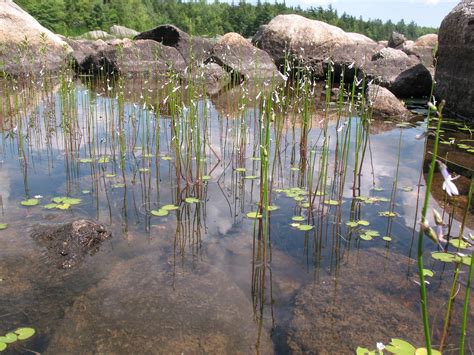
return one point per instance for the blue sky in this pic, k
(423, 12)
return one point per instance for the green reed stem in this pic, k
(424, 305)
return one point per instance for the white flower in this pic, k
(38, 196)
(380, 346)
(448, 184)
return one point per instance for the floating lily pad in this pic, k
(253, 215)
(240, 170)
(63, 206)
(206, 177)
(351, 224)
(423, 351)
(363, 222)
(387, 238)
(272, 208)
(86, 160)
(30, 202)
(111, 175)
(170, 207)
(366, 237)
(255, 158)
(294, 225)
(166, 157)
(378, 189)
(159, 213)
(118, 185)
(444, 257)
(191, 200)
(86, 192)
(364, 351)
(305, 205)
(3, 226)
(298, 198)
(51, 206)
(305, 227)
(67, 200)
(401, 347)
(9, 338)
(387, 214)
(294, 169)
(298, 218)
(428, 272)
(331, 202)
(406, 188)
(25, 333)
(3, 346)
(103, 160)
(251, 177)
(459, 243)
(143, 170)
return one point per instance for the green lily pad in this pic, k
(387, 214)
(111, 175)
(9, 338)
(363, 222)
(159, 213)
(63, 206)
(191, 200)
(401, 347)
(3, 346)
(251, 177)
(444, 257)
(240, 170)
(206, 177)
(272, 208)
(25, 333)
(428, 272)
(298, 218)
(351, 224)
(3, 226)
(406, 188)
(86, 160)
(170, 207)
(387, 238)
(253, 215)
(30, 202)
(103, 160)
(305, 205)
(166, 157)
(143, 170)
(331, 202)
(86, 192)
(459, 243)
(305, 227)
(364, 351)
(67, 200)
(51, 206)
(423, 351)
(118, 185)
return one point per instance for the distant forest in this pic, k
(74, 17)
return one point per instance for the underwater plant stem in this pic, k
(447, 318)
(424, 304)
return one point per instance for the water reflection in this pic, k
(205, 275)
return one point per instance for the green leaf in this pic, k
(272, 208)
(3, 226)
(240, 170)
(30, 202)
(159, 213)
(51, 206)
(3, 346)
(63, 206)
(143, 170)
(305, 227)
(9, 338)
(206, 177)
(25, 333)
(387, 214)
(118, 185)
(428, 272)
(387, 238)
(103, 160)
(191, 200)
(86, 160)
(400, 347)
(363, 222)
(170, 207)
(423, 351)
(364, 351)
(459, 243)
(298, 218)
(351, 224)
(166, 158)
(331, 202)
(110, 175)
(444, 257)
(254, 215)
(366, 237)
(251, 177)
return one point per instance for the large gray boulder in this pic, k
(26, 46)
(296, 39)
(454, 71)
(244, 61)
(396, 40)
(193, 49)
(423, 48)
(404, 75)
(122, 32)
(126, 57)
(383, 103)
(429, 40)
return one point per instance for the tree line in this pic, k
(199, 17)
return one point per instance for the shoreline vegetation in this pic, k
(201, 18)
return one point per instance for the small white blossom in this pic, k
(448, 184)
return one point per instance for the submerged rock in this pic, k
(68, 244)
(147, 306)
(454, 71)
(240, 58)
(26, 46)
(385, 104)
(193, 49)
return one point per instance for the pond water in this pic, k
(204, 276)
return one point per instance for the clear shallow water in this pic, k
(201, 279)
